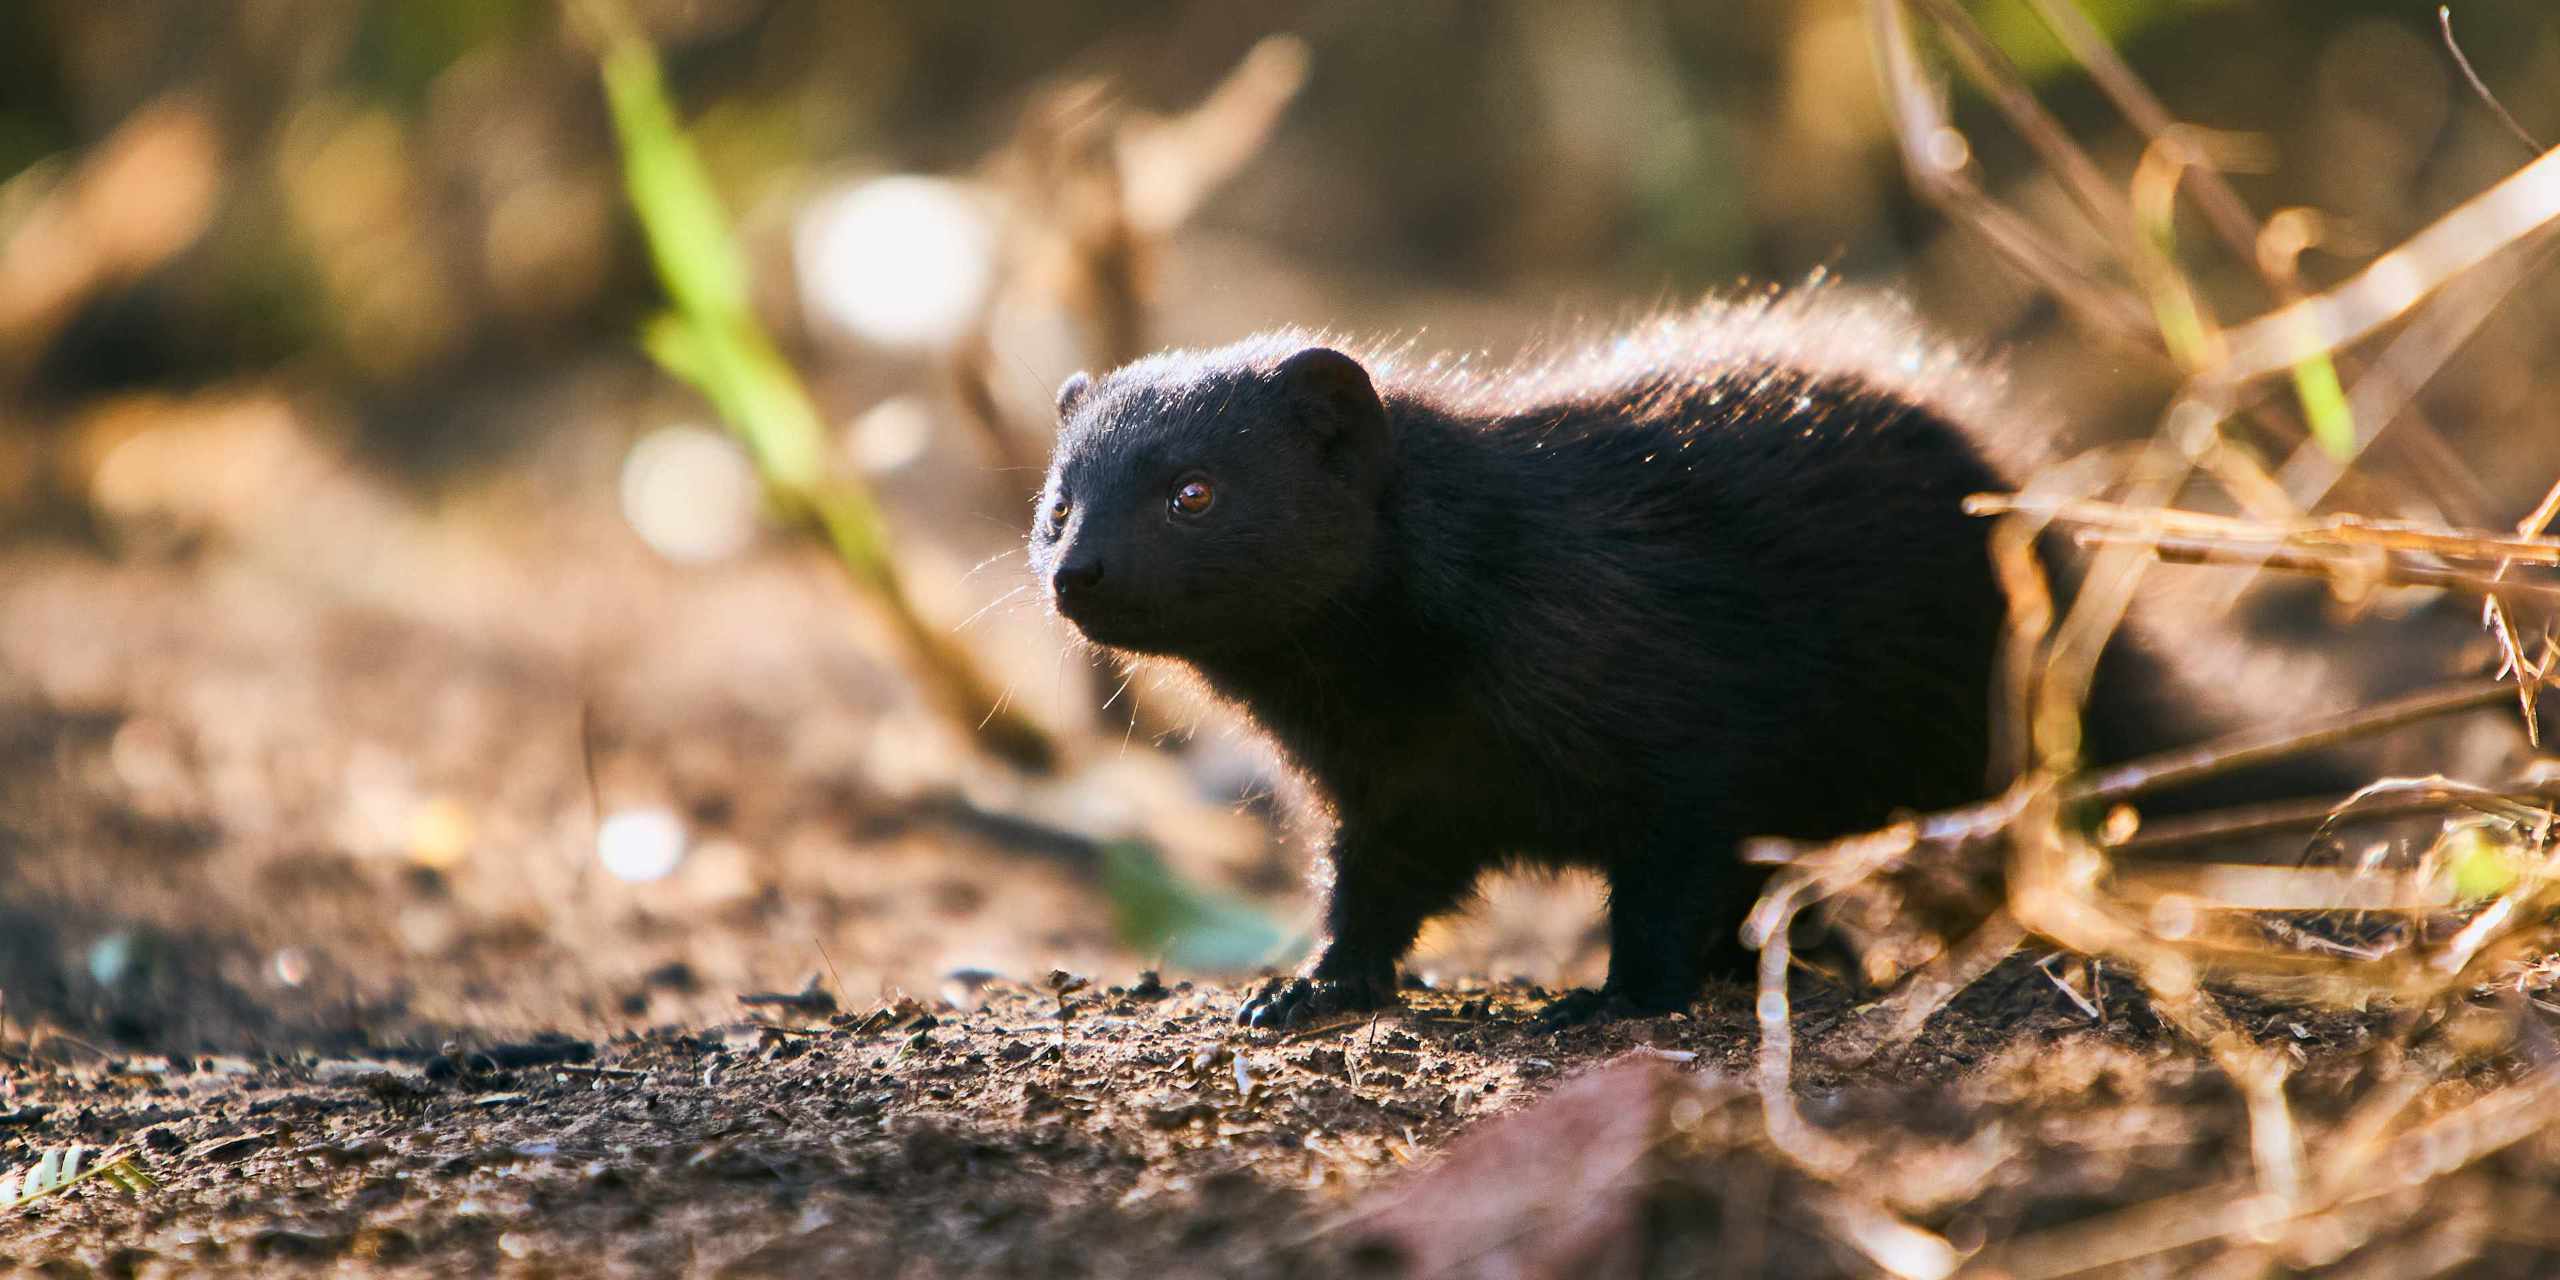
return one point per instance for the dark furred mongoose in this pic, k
(1619, 609)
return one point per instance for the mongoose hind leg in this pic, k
(1675, 913)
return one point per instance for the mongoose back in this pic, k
(1620, 609)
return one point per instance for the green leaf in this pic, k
(680, 214)
(2014, 26)
(2324, 406)
(60, 1169)
(1159, 913)
(710, 339)
(2483, 864)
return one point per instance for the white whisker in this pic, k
(1115, 695)
(990, 606)
(998, 708)
(981, 565)
(1058, 685)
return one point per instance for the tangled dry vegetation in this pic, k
(2453, 937)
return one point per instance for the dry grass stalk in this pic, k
(2329, 531)
(2228, 825)
(1095, 188)
(2353, 576)
(1937, 158)
(2398, 281)
(2202, 180)
(2179, 160)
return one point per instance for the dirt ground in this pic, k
(301, 779)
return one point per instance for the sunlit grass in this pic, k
(710, 337)
(59, 1169)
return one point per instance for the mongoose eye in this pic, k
(1057, 513)
(1193, 497)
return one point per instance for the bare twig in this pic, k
(2240, 230)
(1909, 1008)
(2123, 782)
(2143, 523)
(2478, 229)
(2544, 513)
(1936, 157)
(2387, 390)
(1997, 76)
(2223, 825)
(2223, 208)
(2444, 24)
(2348, 571)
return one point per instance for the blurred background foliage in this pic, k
(350, 290)
(383, 194)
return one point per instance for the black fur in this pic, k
(1621, 610)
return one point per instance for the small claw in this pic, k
(1572, 1009)
(1280, 1004)
(1585, 1007)
(1272, 1002)
(1288, 1002)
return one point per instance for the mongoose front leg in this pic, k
(1383, 889)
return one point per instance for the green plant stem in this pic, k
(711, 339)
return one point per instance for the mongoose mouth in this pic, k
(1114, 624)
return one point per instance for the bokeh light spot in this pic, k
(901, 261)
(690, 493)
(640, 845)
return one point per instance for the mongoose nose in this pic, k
(1076, 577)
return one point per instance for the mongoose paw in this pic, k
(1283, 1003)
(1587, 1006)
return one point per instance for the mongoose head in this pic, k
(1208, 500)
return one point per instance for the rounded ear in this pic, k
(1331, 378)
(1343, 406)
(1072, 392)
